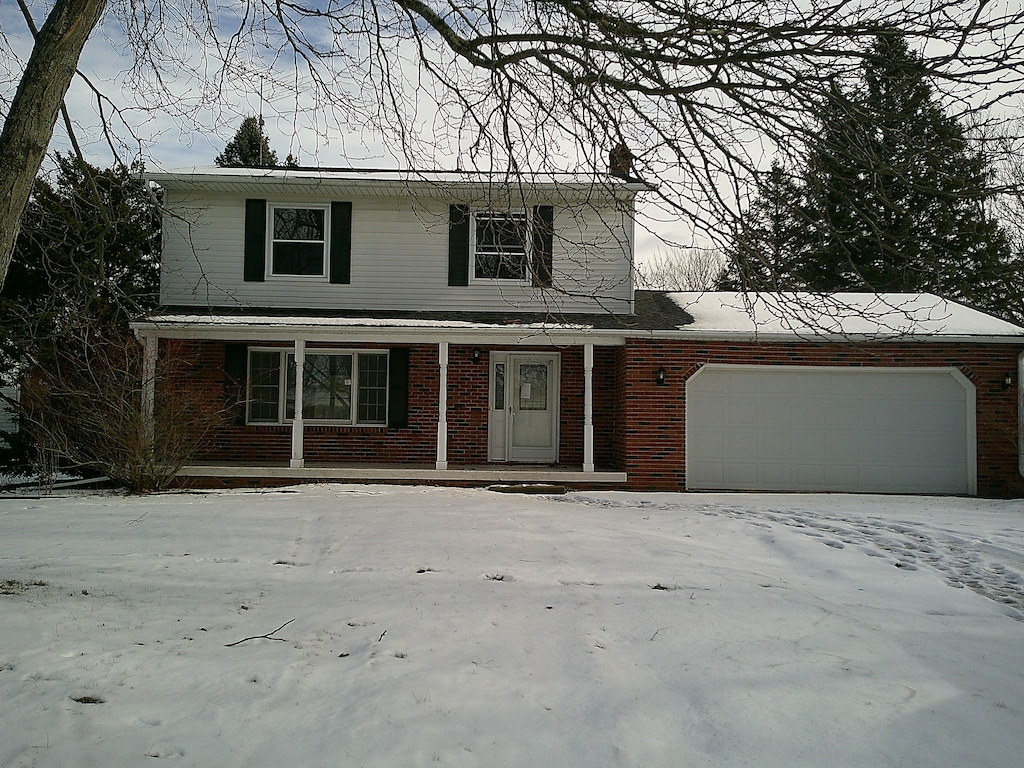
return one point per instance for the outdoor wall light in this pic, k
(1008, 380)
(659, 376)
(476, 354)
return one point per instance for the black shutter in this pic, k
(543, 238)
(255, 241)
(341, 243)
(235, 365)
(398, 388)
(458, 245)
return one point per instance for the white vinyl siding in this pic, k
(399, 261)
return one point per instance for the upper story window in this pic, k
(514, 245)
(298, 240)
(501, 245)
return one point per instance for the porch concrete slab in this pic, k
(424, 473)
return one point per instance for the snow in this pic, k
(323, 322)
(412, 626)
(837, 314)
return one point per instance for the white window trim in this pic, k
(269, 245)
(282, 392)
(528, 247)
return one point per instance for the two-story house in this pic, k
(472, 328)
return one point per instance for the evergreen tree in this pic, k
(771, 240)
(86, 262)
(249, 148)
(892, 197)
(88, 253)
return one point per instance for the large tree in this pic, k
(700, 90)
(87, 254)
(892, 196)
(85, 264)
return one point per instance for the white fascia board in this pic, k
(399, 183)
(286, 332)
(810, 337)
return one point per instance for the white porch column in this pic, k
(588, 407)
(297, 461)
(149, 388)
(442, 406)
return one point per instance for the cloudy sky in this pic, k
(188, 120)
(210, 80)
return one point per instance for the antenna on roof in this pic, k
(261, 120)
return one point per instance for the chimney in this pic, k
(620, 161)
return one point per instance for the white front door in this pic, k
(523, 413)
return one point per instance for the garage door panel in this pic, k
(740, 444)
(810, 414)
(738, 474)
(844, 429)
(743, 410)
(777, 412)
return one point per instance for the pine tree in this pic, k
(891, 197)
(87, 254)
(86, 263)
(770, 241)
(249, 148)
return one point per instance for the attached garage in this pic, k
(819, 428)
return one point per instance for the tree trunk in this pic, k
(29, 124)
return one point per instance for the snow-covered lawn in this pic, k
(413, 626)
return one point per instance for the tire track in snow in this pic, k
(990, 569)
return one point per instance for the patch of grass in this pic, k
(16, 587)
(88, 699)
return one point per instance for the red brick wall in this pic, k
(638, 426)
(230, 442)
(416, 443)
(652, 446)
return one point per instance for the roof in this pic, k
(657, 314)
(654, 311)
(370, 180)
(836, 315)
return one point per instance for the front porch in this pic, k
(478, 474)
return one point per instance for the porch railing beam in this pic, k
(298, 428)
(442, 405)
(588, 407)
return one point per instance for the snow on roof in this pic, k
(714, 315)
(836, 314)
(370, 322)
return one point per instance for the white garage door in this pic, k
(878, 430)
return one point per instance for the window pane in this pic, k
(326, 388)
(264, 386)
(373, 388)
(500, 250)
(533, 387)
(499, 386)
(298, 224)
(298, 259)
(298, 241)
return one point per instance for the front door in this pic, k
(523, 419)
